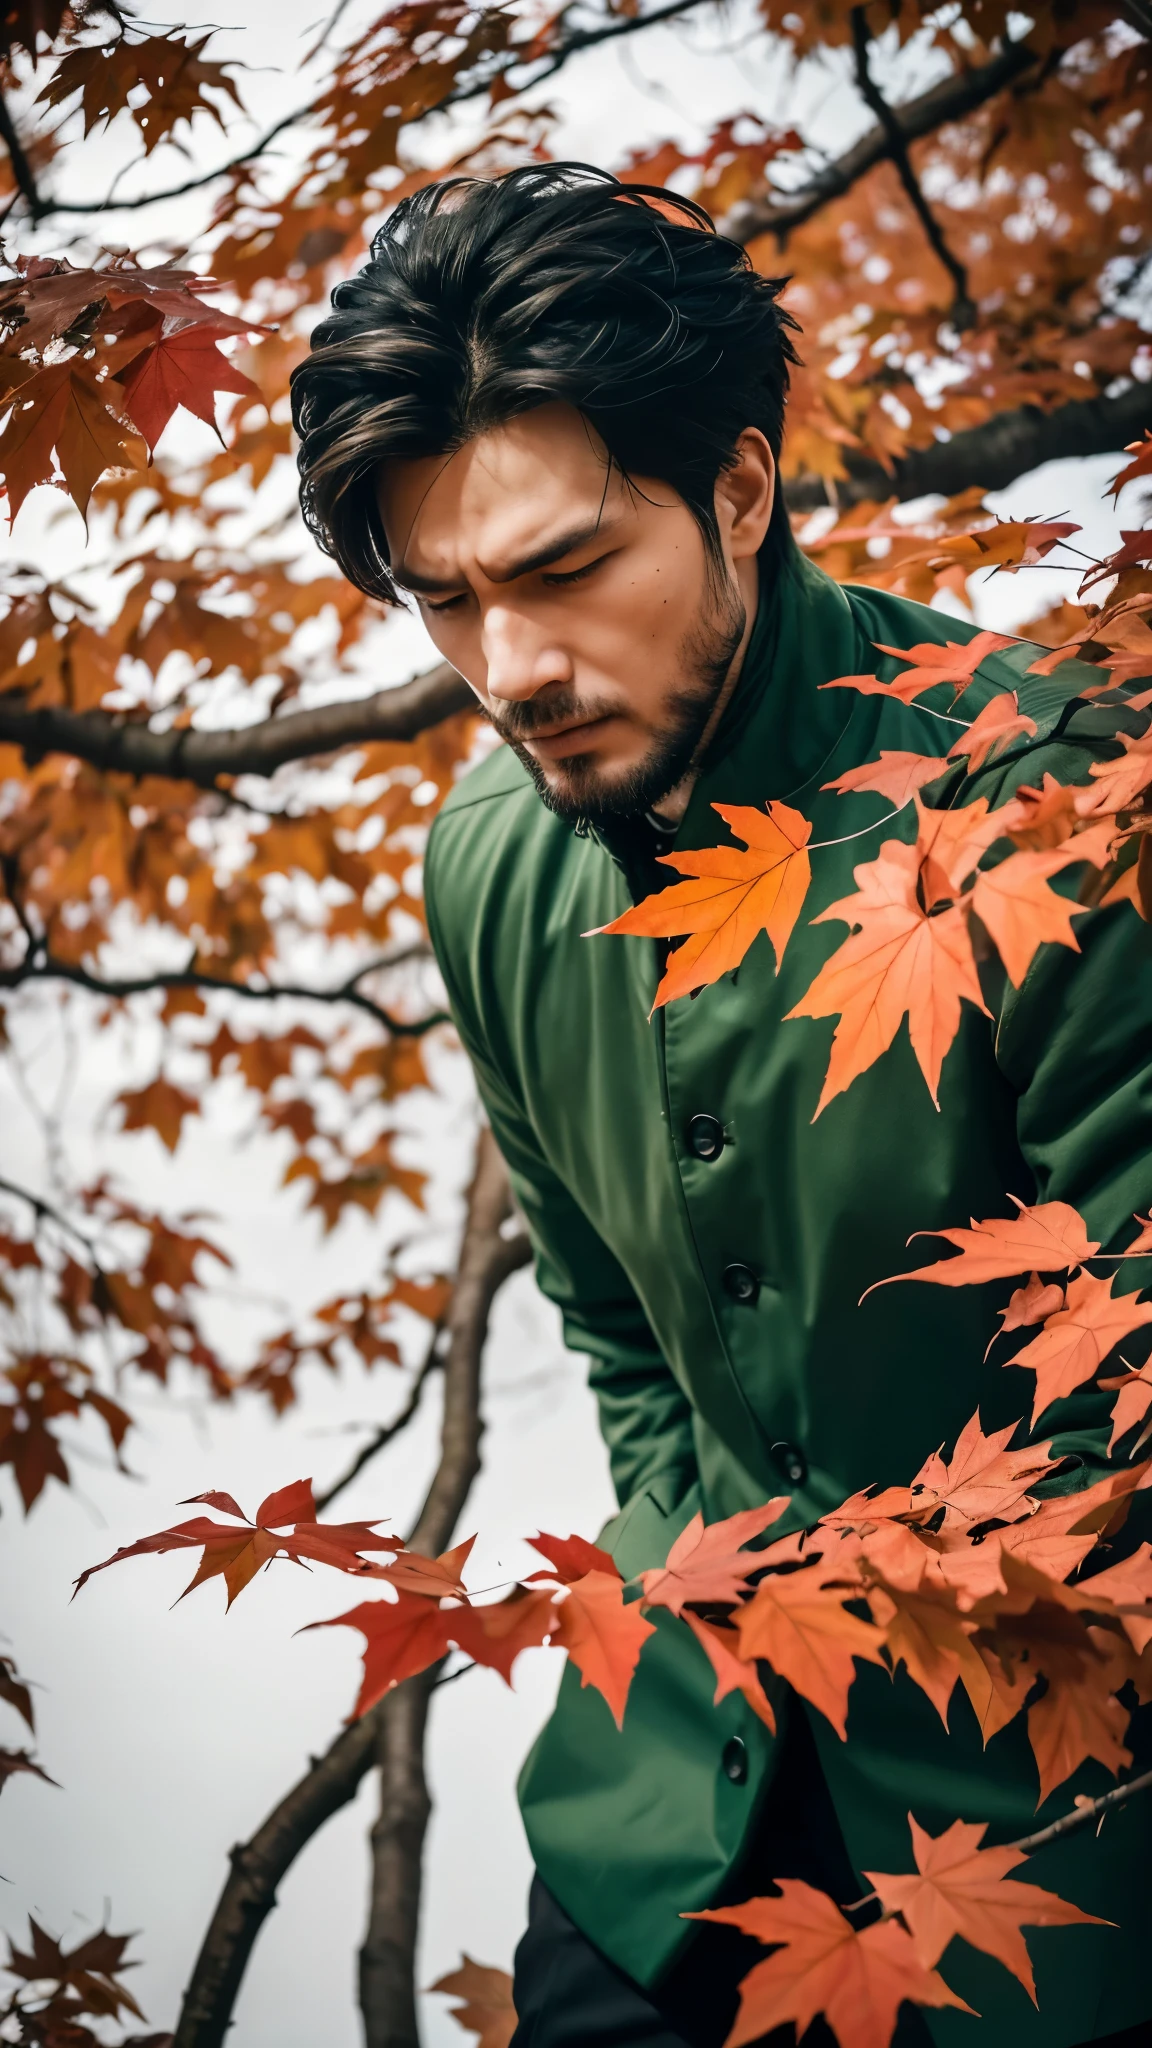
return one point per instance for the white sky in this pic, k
(172, 1733)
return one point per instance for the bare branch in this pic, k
(44, 967)
(22, 170)
(192, 754)
(383, 1436)
(951, 100)
(963, 310)
(391, 1733)
(45, 1213)
(1083, 1815)
(993, 455)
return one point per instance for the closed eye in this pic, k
(446, 604)
(557, 578)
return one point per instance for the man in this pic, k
(550, 408)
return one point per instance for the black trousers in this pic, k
(568, 1995)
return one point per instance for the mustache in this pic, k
(560, 706)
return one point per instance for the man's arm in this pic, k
(645, 1418)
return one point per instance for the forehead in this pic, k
(494, 497)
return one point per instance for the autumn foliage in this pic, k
(968, 285)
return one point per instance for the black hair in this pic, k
(484, 298)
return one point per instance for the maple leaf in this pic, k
(994, 728)
(983, 1480)
(572, 1557)
(1020, 543)
(924, 1631)
(857, 1980)
(15, 1691)
(964, 1889)
(13, 1761)
(236, 1554)
(495, 1634)
(1030, 1304)
(1120, 784)
(895, 775)
(402, 1637)
(602, 1636)
(733, 1673)
(1135, 1399)
(182, 368)
(1021, 913)
(487, 2008)
(1127, 1586)
(1049, 1237)
(800, 1626)
(1077, 1338)
(955, 662)
(709, 1564)
(160, 1107)
(1142, 466)
(900, 961)
(1077, 1718)
(731, 897)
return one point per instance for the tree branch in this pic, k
(388, 1430)
(951, 100)
(1082, 1816)
(580, 39)
(963, 310)
(391, 1732)
(193, 754)
(992, 455)
(387, 1958)
(44, 967)
(22, 170)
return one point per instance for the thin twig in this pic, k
(44, 967)
(963, 309)
(22, 170)
(388, 1430)
(1083, 1815)
(45, 1213)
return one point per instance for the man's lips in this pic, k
(576, 738)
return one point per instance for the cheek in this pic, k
(458, 640)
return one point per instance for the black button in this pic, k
(741, 1283)
(706, 1136)
(792, 1462)
(734, 1761)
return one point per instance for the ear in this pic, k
(745, 493)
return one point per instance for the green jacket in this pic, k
(708, 1401)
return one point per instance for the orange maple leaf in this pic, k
(1128, 1586)
(1078, 1718)
(983, 1480)
(733, 1673)
(964, 1889)
(731, 897)
(895, 775)
(1135, 1399)
(857, 1980)
(1030, 1304)
(1049, 1238)
(1021, 912)
(900, 961)
(994, 728)
(236, 1554)
(402, 1637)
(603, 1636)
(487, 2010)
(798, 1624)
(1077, 1338)
(495, 1634)
(955, 662)
(709, 1564)
(1142, 450)
(160, 1107)
(1120, 784)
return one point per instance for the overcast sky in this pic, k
(173, 1732)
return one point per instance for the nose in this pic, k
(520, 661)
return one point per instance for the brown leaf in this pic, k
(487, 2009)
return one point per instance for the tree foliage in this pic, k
(970, 273)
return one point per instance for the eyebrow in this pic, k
(540, 558)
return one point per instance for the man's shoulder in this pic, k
(489, 845)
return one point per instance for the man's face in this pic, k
(580, 607)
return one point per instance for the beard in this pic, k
(579, 788)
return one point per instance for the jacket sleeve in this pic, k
(645, 1418)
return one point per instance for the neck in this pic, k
(673, 806)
